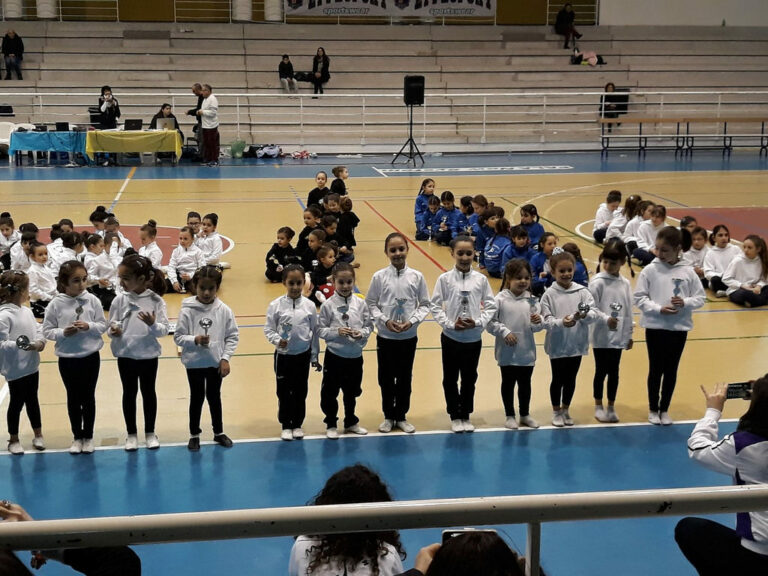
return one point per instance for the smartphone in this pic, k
(741, 390)
(448, 534)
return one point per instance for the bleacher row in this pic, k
(242, 58)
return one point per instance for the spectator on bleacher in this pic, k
(564, 25)
(109, 107)
(13, 53)
(712, 548)
(608, 104)
(320, 70)
(209, 116)
(285, 70)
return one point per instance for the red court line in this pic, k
(411, 241)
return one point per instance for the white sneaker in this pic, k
(511, 423)
(332, 433)
(286, 434)
(88, 446)
(77, 447)
(38, 442)
(567, 420)
(356, 429)
(665, 419)
(131, 443)
(15, 447)
(653, 418)
(600, 414)
(406, 426)
(297, 433)
(557, 419)
(721, 293)
(457, 426)
(386, 426)
(611, 415)
(468, 426)
(153, 443)
(528, 421)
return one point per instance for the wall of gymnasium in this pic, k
(683, 12)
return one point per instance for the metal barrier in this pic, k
(532, 510)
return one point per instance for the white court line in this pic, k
(379, 171)
(476, 169)
(122, 188)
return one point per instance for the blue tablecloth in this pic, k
(72, 142)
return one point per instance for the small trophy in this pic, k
(615, 309)
(22, 342)
(398, 314)
(464, 313)
(584, 309)
(532, 301)
(344, 311)
(79, 309)
(678, 282)
(118, 325)
(285, 331)
(205, 324)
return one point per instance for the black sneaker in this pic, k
(223, 440)
(194, 444)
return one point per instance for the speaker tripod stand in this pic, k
(413, 149)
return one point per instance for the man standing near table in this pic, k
(209, 116)
(197, 90)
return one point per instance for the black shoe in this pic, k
(565, 46)
(223, 440)
(578, 36)
(194, 444)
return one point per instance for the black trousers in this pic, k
(520, 375)
(204, 383)
(748, 298)
(105, 295)
(23, 392)
(717, 284)
(645, 256)
(80, 376)
(665, 347)
(607, 362)
(292, 375)
(715, 550)
(135, 373)
(395, 359)
(345, 375)
(599, 235)
(459, 359)
(563, 385)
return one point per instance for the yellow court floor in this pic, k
(727, 344)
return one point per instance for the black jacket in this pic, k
(13, 46)
(326, 68)
(158, 116)
(109, 118)
(285, 69)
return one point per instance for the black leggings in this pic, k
(345, 375)
(80, 376)
(203, 383)
(606, 365)
(23, 392)
(135, 373)
(459, 358)
(665, 347)
(564, 371)
(292, 375)
(748, 298)
(717, 284)
(522, 376)
(715, 550)
(395, 360)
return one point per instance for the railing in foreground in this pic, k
(271, 522)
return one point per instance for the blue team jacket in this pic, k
(511, 252)
(537, 267)
(451, 219)
(535, 232)
(580, 275)
(494, 249)
(425, 221)
(421, 207)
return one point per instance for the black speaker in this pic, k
(413, 90)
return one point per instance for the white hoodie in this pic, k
(296, 319)
(646, 234)
(655, 288)
(138, 340)
(42, 283)
(617, 226)
(630, 230)
(184, 261)
(331, 320)
(211, 247)
(223, 332)
(18, 321)
(62, 312)
(744, 271)
(513, 316)
(387, 286)
(153, 252)
(100, 267)
(607, 289)
(717, 259)
(603, 217)
(557, 303)
(446, 303)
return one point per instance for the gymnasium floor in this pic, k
(253, 200)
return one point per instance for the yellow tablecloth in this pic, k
(133, 141)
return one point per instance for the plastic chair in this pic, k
(6, 129)
(29, 128)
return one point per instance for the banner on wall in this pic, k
(392, 8)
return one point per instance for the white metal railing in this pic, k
(587, 12)
(532, 510)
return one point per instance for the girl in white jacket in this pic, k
(149, 248)
(137, 319)
(185, 259)
(42, 282)
(209, 240)
(291, 327)
(21, 341)
(568, 309)
(208, 335)
(721, 253)
(747, 275)
(667, 293)
(75, 321)
(612, 332)
(102, 271)
(515, 321)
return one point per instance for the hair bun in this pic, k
(152, 223)
(5, 215)
(101, 209)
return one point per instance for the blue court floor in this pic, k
(438, 465)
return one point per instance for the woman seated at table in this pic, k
(165, 114)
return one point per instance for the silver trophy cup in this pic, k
(285, 331)
(205, 324)
(464, 312)
(584, 309)
(22, 342)
(398, 314)
(615, 309)
(677, 291)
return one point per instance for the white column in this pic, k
(273, 10)
(242, 10)
(47, 10)
(12, 9)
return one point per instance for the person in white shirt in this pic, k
(646, 235)
(42, 282)
(747, 275)
(72, 249)
(697, 252)
(185, 259)
(399, 302)
(209, 115)
(291, 327)
(102, 272)
(514, 322)
(149, 248)
(642, 213)
(720, 254)
(8, 237)
(345, 324)
(605, 214)
(612, 332)
(362, 554)
(622, 216)
(112, 226)
(667, 292)
(711, 547)
(462, 305)
(208, 240)
(20, 250)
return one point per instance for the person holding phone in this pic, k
(712, 548)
